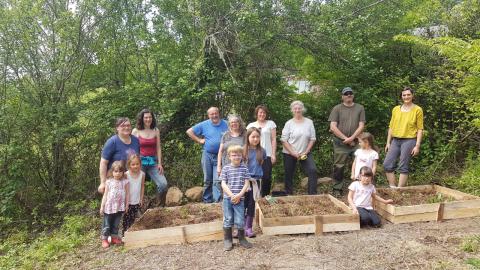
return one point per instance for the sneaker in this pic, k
(116, 241)
(105, 243)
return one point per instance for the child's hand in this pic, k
(126, 209)
(352, 177)
(101, 211)
(355, 211)
(235, 199)
(389, 201)
(219, 170)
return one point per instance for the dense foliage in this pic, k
(69, 68)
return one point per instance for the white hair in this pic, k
(298, 103)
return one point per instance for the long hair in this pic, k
(258, 149)
(131, 158)
(116, 165)
(140, 124)
(366, 136)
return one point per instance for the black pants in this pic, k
(368, 217)
(308, 165)
(249, 203)
(129, 217)
(267, 176)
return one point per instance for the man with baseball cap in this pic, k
(347, 121)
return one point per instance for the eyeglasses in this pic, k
(348, 94)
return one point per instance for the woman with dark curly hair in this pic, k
(151, 152)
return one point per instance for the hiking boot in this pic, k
(105, 243)
(227, 239)
(241, 239)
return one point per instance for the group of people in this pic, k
(237, 160)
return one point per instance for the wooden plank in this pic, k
(415, 209)
(291, 229)
(441, 206)
(283, 221)
(389, 208)
(415, 217)
(318, 222)
(340, 218)
(458, 195)
(340, 204)
(174, 235)
(385, 214)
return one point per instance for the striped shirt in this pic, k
(234, 177)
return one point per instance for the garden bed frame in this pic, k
(174, 235)
(464, 205)
(309, 224)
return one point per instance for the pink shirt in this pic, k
(362, 196)
(116, 196)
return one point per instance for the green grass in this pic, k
(473, 262)
(471, 244)
(17, 252)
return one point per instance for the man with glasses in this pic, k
(347, 121)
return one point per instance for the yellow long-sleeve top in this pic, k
(406, 124)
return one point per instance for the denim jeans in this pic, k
(308, 165)
(110, 224)
(156, 177)
(233, 213)
(212, 190)
(368, 217)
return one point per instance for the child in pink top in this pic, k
(114, 203)
(360, 197)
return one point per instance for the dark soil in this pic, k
(181, 215)
(320, 205)
(413, 197)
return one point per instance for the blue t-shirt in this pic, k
(255, 168)
(114, 149)
(212, 134)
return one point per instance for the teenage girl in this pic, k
(365, 156)
(255, 156)
(136, 183)
(114, 203)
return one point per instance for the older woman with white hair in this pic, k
(234, 136)
(298, 138)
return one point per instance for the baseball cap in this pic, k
(346, 89)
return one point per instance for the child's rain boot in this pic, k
(249, 227)
(227, 239)
(241, 239)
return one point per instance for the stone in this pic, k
(194, 194)
(174, 196)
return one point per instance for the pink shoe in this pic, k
(105, 243)
(116, 241)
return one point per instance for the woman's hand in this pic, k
(101, 188)
(415, 150)
(160, 168)
(387, 146)
(219, 170)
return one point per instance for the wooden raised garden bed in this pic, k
(426, 203)
(305, 214)
(176, 225)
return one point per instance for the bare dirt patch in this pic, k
(307, 206)
(414, 197)
(181, 215)
(420, 245)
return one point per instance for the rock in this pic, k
(278, 187)
(194, 194)
(323, 180)
(174, 196)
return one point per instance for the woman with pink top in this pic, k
(150, 151)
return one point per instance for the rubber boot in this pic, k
(249, 227)
(227, 239)
(160, 198)
(241, 239)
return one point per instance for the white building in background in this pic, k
(301, 85)
(431, 32)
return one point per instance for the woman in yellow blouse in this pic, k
(404, 137)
